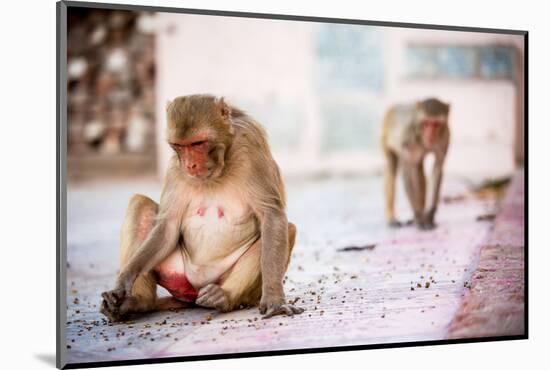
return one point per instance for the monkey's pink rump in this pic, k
(178, 285)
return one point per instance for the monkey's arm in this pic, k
(274, 252)
(274, 257)
(434, 188)
(159, 244)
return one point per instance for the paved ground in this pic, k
(495, 304)
(406, 286)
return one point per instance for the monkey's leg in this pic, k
(434, 189)
(426, 219)
(389, 187)
(423, 222)
(138, 223)
(243, 284)
(415, 187)
(421, 186)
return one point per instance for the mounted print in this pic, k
(237, 184)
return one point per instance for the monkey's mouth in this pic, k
(208, 172)
(429, 139)
(204, 174)
(200, 175)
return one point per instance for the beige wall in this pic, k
(245, 60)
(483, 112)
(263, 62)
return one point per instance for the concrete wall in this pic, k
(270, 68)
(253, 63)
(483, 112)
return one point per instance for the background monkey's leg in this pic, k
(243, 283)
(434, 189)
(420, 180)
(389, 186)
(412, 188)
(415, 185)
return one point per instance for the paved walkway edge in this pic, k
(495, 303)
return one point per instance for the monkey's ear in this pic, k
(224, 108)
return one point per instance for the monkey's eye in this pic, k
(431, 122)
(198, 143)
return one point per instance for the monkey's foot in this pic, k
(394, 224)
(425, 222)
(213, 296)
(426, 226)
(272, 309)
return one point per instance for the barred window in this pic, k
(488, 62)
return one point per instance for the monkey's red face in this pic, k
(431, 127)
(194, 155)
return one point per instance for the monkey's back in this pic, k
(252, 154)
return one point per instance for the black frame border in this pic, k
(61, 181)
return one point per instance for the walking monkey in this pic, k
(409, 133)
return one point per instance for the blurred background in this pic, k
(320, 90)
(111, 93)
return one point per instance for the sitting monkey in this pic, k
(219, 237)
(409, 133)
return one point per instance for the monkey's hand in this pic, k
(116, 304)
(213, 296)
(275, 305)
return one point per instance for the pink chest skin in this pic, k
(202, 210)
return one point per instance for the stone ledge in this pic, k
(496, 301)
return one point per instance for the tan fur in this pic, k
(138, 223)
(241, 289)
(403, 146)
(242, 167)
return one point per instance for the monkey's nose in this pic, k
(192, 168)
